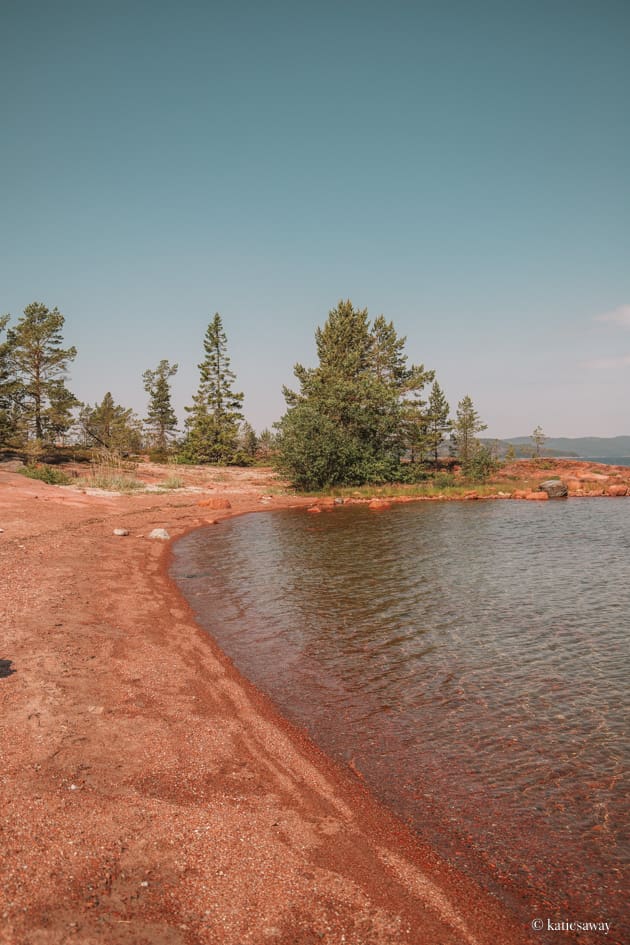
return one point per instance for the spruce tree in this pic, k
(39, 365)
(161, 422)
(216, 412)
(438, 424)
(467, 425)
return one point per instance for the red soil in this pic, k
(149, 794)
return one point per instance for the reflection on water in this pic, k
(470, 659)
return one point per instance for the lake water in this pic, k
(470, 659)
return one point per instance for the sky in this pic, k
(460, 167)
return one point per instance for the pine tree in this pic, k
(539, 439)
(247, 442)
(111, 426)
(161, 422)
(345, 423)
(438, 424)
(467, 425)
(7, 388)
(214, 418)
(39, 365)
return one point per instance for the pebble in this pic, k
(160, 533)
(121, 531)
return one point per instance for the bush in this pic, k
(48, 474)
(172, 482)
(444, 480)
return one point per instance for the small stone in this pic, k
(121, 531)
(160, 533)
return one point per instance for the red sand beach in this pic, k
(149, 793)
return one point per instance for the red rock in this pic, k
(379, 505)
(471, 495)
(314, 510)
(519, 494)
(215, 503)
(617, 489)
(537, 496)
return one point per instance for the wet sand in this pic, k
(149, 793)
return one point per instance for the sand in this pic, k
(150, 794)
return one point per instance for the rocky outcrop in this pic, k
(617, 489)
(555, 488)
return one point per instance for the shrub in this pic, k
(172, 482)
(48, 474)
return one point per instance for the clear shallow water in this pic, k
(471, 661)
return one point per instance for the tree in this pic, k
(213, 424)
(161, 422)
(247, 442)
(345, 423)
(7, 388)
(39, 365)
(539, 439)
(438, 424)
(111, 426)
(266, 445)
(467, 425)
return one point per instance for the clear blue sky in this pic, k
(461, 167)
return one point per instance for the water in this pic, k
(469, 659)
(607, 460)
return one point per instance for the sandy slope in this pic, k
(148, 793)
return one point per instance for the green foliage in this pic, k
(467, 425)
(481, 464)
(161, 422)
(8, 416)
(216, 413)
(346, 424)
(444, 480)
(247, 443)
(438, 424)
(48, 474)
(38, 365)
(110, 426)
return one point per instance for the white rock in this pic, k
(121, 531)
(160, 533)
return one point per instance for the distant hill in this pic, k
(602, 447)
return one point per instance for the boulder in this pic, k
(555, 488)
(536, 496)
(617, 489)
(117, 531)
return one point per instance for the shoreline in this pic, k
(153, 794)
